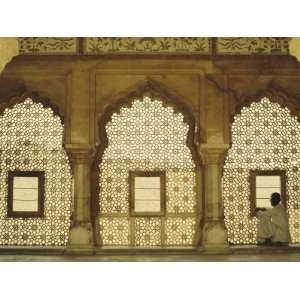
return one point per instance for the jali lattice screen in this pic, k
(265, 136)
(147, 136)
(31, 139)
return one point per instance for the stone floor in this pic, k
(158, 258)
(233, 254)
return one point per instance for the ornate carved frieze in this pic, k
(154, 45)
(134, 45)
(48, 45)
(253, 45)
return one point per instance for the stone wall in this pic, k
(212, 87)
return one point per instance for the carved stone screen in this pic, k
(265, 136)
(31, 140)
(147, 136)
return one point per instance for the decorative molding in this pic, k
(80, 153)
(48, 45)
(152, 45)
(253, 45)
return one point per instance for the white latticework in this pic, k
(147, 136)
(31, 140)
(265, 136)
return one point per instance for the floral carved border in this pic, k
(152, 45)
(48, 45)
(253, 45)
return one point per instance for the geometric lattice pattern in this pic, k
(180, 231)
(115, 231)
(147, 136)
(147, 232)
(264, 137)
(31, 140)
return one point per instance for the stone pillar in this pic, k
(214, 231)
(81, 234)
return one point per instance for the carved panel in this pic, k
(152, 45)
(105, 45)
(256, 45)
(48, 45)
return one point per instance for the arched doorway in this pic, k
(35, 178)
(147, 175)
(265, 142)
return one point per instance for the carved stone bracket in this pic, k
(213, 153)
(80, 154)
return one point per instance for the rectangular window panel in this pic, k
(268, 181)
(25, 194)
(147, 182)
(264, 184)
(147, 206)
(147, 193)
(263, 203)
(266, 192)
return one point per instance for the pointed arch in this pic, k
(265, 137)
(274, 95)
(151, 90)
(154, 90)
(36, 98)
(31, 140)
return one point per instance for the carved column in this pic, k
(81, 234)
(214, 231)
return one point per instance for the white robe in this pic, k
(273, 224)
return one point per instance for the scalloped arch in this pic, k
(35, 97)
(266, 137)
(154, 90)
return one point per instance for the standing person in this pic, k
(273, 226)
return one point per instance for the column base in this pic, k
(81, 239)
(215, 237)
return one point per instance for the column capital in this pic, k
(213, 153)
(80, 153)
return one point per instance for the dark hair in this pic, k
(275, 199)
